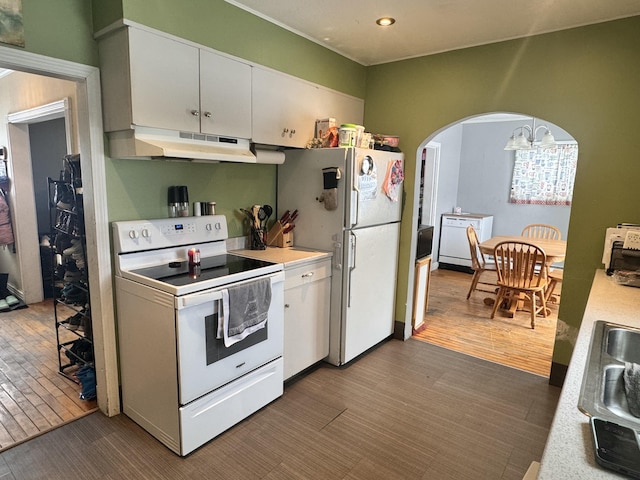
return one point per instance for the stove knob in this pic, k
(208, 227)
(146, 233)
(218, 226)
(133, 234)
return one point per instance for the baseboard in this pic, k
(457, 268)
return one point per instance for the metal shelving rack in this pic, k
(72, 311)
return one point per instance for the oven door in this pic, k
(204, 363)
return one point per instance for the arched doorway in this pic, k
(475, 174)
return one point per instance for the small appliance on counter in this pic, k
(621, 255)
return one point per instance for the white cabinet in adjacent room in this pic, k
(154, 81)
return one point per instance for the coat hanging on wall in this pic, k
(6, 226)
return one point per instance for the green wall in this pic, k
(584, 80)
(138, 188)
(60, 29)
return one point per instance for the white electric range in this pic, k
(182, 380)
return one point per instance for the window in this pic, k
(544, 177)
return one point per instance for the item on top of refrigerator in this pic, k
(323, 125)
(348, 132)
(389, 143)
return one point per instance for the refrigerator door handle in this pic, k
(337, 256)
(355, 204)
(352, 264)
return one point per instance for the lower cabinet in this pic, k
(306, 315)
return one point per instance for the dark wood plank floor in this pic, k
(465, 326)
(406, 410)
(34, 397)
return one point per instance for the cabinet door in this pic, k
(164, 82)
(225, 96)
(344, 108)
(306, 316)
(284, 109)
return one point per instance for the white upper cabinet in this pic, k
(344, 108)
(154, 81)
(284, 109)
(225, 96)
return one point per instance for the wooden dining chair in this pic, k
(479, 265)
(541, 230)
(554, 277)
(521, 271)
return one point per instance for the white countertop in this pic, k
(569, 452)
(290, 257)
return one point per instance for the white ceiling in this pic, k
(425, 27)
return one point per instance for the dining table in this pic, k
(555, 251)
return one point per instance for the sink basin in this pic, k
(602, 393)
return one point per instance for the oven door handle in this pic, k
(198, 299)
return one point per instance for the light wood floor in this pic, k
(465, 326)
(34, 397)
(407, 410)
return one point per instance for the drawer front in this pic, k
(308, 273)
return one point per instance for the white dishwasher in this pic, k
(454, 245)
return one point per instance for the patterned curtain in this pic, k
(544, 177)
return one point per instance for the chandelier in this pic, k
(527, 138)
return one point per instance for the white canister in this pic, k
(359, 135)
(347, 136)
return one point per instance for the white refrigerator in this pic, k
(359, 221)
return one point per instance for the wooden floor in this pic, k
(406, 410)
(465, 326)
(34, 397)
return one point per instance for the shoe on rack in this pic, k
(72, 276)
(76, 247)
(73, 322)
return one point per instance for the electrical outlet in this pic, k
(632, 240)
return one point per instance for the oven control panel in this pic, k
(136, 235)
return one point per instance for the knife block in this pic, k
(277, 238)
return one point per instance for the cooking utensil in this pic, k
(256, 221)
(248, 214)
(268, 210)
(262, 217)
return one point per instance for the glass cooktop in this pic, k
(180, 273)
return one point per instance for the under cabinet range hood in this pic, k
(148, 143)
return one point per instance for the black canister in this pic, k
(183, 201)
(173, 201)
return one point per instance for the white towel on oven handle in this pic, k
(261, 307)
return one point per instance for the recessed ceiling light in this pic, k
(385, 21)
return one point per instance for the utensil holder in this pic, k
(257, 239)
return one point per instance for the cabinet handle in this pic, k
(284, 131)
(307, 275)
(195, 113)
(207, 114)
(292, 133)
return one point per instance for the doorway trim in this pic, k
(92, 157)
(26, 224)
